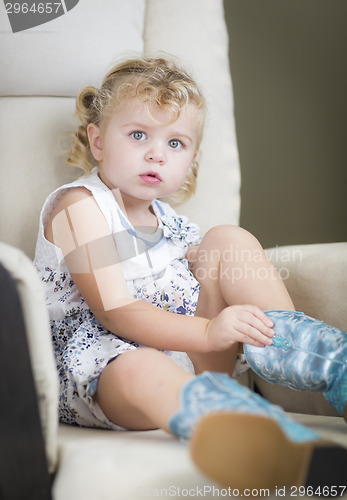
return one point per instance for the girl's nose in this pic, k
(155, 155)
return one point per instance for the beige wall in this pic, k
(289, 66)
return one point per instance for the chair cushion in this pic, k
(123, 465)
(151, 464)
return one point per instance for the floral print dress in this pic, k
(155, 270)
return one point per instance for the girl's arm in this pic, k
(80, 229)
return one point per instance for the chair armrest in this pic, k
(315, 277)
(23, 464)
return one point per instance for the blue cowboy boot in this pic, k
(241, 440)
(212, 392)
(306, 355)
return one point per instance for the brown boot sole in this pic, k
(249, 452)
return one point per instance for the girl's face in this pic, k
(144, 157)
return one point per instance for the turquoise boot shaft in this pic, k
(306, 355)
(212, 392)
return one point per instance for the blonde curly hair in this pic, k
(148, 79)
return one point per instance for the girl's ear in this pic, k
(95, 144)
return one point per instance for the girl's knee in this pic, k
(132, 368)
(230, 236)
(131, 365)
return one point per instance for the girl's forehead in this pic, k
(134, 109)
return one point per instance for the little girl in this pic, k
(147, 325)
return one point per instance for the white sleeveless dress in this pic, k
(155, 270)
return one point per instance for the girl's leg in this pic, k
(232, 268)
(139, 390)
(144, 389)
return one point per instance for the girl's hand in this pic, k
(241, 323)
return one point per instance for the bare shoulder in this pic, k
(72, 197)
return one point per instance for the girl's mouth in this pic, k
(151, 178)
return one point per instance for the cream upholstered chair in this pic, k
(42, 70)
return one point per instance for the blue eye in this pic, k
(175, 144)
(138, 136)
